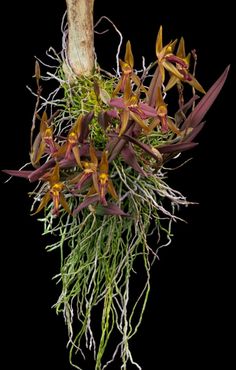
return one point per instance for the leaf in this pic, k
(18, 173)
(179, 147)
(154, 85)
(103, 120)
(111, 209)
(39, 172)
(206, 102)
(179, 115)
(129, 156)
(85, 126)
(86, 203)
(194, 132)
(96, 88)
(153, 152)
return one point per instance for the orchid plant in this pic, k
(99, 150)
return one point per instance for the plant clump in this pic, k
(99, 146)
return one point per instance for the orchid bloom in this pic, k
(54, 193)
(44, 141)
(131, 108)
(186, 76)
(162, 116)
(127, 70)
(99, 175)
(104, 183)
(177, 64)
(72, 143)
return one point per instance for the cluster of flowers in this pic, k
(134, 111)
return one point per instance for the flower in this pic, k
(44, 141)
(162, 116)
(54, 193)
(127, 70)
(131, 108)
(182, 67)
(72, 143)
(99, 175)
(166, 60)
(163, 53)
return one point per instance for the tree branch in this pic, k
(81, 36)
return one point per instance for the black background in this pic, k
(189, 317)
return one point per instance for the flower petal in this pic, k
(129, 58)
(172, 82)
(64, 203)
(159, 43)
(103, 166)
(118, 103)
(124, 116)
(43, 203)
(75, 150)
(172, 69)
(181, 49)
(194, 83)
(141, 123)
(55, 175)
(43, 123)
(111, 190)
(93, 154)
(147, 110)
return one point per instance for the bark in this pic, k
(80, 50)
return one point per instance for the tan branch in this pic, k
(81, 36)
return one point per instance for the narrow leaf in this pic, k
(18, 173)
(194, 133)
(179, 115)
(180, 147)
(111, 209)
(153, 152)
(155, 83)
(86, 203)
(129, 156)
(206, 102)
(85, 126)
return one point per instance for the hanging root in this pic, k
(98, 273)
